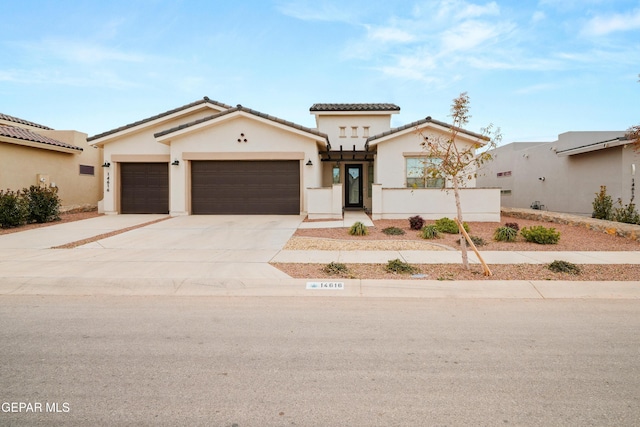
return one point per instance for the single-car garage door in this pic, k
(245, 187)
(144, 188)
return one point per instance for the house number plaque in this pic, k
(329, 286)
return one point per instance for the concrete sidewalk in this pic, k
(453, 257)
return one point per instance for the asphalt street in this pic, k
(218, 361)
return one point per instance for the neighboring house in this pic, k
(33, 154)
(211, 158)
(563, 175)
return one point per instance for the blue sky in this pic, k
(533, 68)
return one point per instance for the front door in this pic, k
(353, 186)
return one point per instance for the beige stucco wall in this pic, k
(139, 145)
(330, 124)
(219, 141)
(20, 167)
(478, 204)
(391, 166)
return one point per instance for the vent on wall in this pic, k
(87, 170)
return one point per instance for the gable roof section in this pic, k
(354, 107)
(157, 117)
(240, 108)
(414, 125)
(21, 136)
(8, 118)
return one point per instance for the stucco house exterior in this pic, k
(563, 175)
(34, 154)
(207, 157)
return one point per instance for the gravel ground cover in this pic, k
(572, 238)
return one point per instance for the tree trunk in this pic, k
(463, 242)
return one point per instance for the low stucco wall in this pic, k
(478, 204)
(630, 231)
(325, 202)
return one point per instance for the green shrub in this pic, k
(416, 222)
(505, 234)
(477, 241)
(627, 213)
(564, 267)
(358, 229)
(602, 204)
(335, 268)
(44, 204)
(541, 235)
(429, 232)
(14, 209)
(393, 231)
(446, 225)
(398, 266)
(513, 225)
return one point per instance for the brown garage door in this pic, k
(144, 188)
(245, 187)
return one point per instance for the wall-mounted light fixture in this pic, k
(106, 164)
(309, 163)
(175, 162)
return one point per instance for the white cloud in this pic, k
(467, 10)
(538, 16)
(603, 25)
(315, 11)
(88, 53)
(541, 87)
(390, 35)
(469, 35)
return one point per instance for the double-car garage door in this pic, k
(245, 187)
(217, 187)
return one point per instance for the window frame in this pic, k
(420, 179)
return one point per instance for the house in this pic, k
(207, 157)
(563, 175)
(33, 154)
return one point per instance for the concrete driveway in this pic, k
(221, 247)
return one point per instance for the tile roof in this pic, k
(354, 107)
(419, 123)
(204, 100)
(27, 135)
(247, 110)
(22, 122)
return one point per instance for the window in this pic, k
(421, 172)
(354, 131)
(365, 131)
(87, 170)
(370, 178)
(343, 132)
(336, 174)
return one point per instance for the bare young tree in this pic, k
(458, 161)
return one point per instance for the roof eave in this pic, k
(40, 145)
(105, 137)
(166, 136)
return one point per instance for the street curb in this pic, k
(363, 288)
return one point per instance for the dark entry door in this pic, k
(353, 186)
(144, 188)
